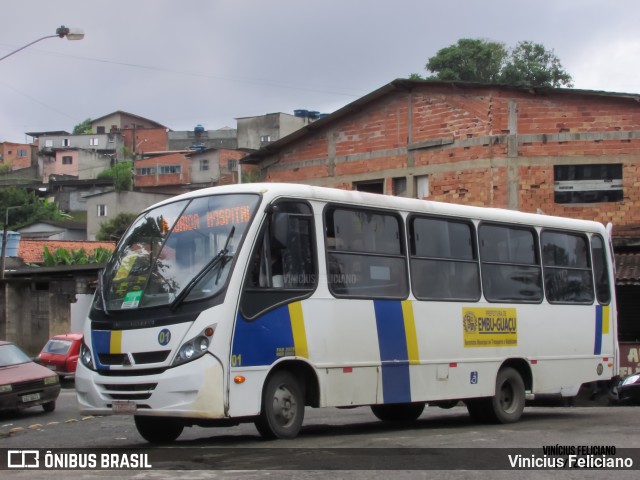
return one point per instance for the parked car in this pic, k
(60, 354)
(627, 390)
(24, 383)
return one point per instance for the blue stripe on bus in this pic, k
(101, 342)
(263, 340)
(597, 348)
(392, 340)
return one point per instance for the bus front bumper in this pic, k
(193, 390)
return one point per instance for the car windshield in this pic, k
(186, 245)
(11, 354)
(57, 346)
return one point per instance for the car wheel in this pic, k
(49, 406)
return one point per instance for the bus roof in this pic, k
(271, 191)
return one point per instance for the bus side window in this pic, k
(600, 270)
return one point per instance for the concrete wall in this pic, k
(185, 139)
(273, 125)
(117, 202)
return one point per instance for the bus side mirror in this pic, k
(280, 230)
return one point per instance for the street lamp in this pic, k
(61, 32)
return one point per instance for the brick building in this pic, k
(15, 155)
(573, 153)
(476, 144)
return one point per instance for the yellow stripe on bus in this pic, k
(297, 328)
(605, 319)
(410, 332)
(115, 343)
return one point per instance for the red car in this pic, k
(60, 354)
(24, 383)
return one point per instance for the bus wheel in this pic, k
(398, 412)
(282, 407)
(158, 429)
(508, 402)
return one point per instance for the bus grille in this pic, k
(140, 391)
(139, 358)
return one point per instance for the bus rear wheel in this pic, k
(398, 412)
(282, 407)
(158, 429)
(508, 402)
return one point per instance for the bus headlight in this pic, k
(85, 356)
(194, 348)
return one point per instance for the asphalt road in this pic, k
(368, 446)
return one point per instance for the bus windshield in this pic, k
(177, 252)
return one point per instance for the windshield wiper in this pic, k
(222, 254)
(101, 291)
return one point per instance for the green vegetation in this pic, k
(112, 230)
(484, 61)
(121, 174)
(63, 256)
(82, 128)
(26, 208)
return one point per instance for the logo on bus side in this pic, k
(489, 327)
(164, 337)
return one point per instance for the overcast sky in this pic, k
(188, 62)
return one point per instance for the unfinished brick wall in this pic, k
(479, 145)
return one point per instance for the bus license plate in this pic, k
(32, 397)
(123, 406)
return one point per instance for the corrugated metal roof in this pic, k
(628, 268)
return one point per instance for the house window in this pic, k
(102, 210)
(100, 129)
(265, 138)
(422, 186)
(232, 165)
(588, 183)
(66, 142)
(168, 169)
(374, 186)
(48, 143)
(22, 153)
(93, 142)
(145, 171)
(400, 186)
(204, 165)
(67, 160)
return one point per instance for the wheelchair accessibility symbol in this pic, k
(474, 378)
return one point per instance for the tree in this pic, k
(531, 64)
(113, 229)
(469, 60)
(121, 174)
(83, 127)
(30, 208)
(484, 61)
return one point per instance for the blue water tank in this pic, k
(13, 242)
(199, 129)
(301, 113)
(314, 115)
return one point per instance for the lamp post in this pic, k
(5, 236)
(61, 32)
